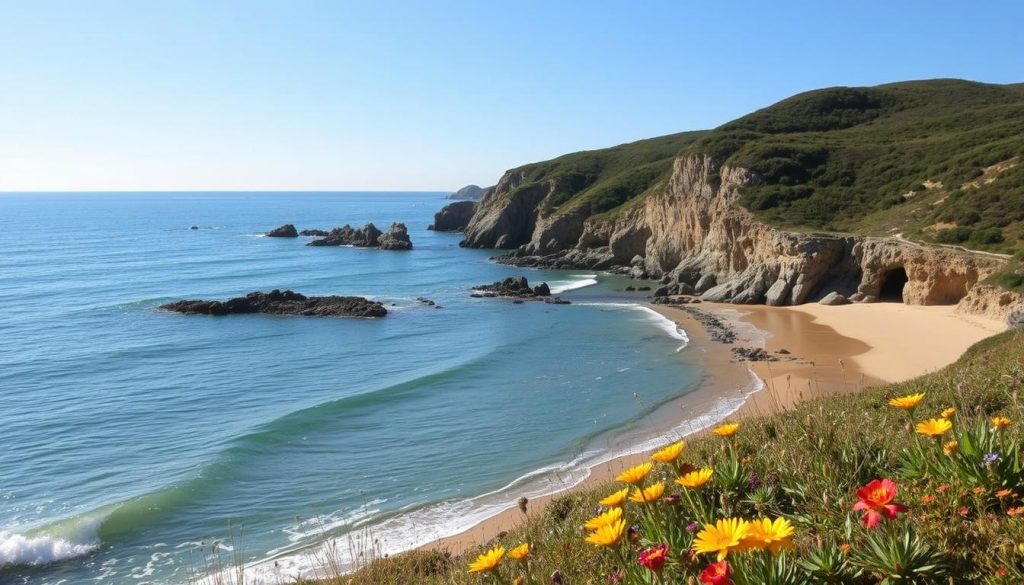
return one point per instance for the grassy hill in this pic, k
(964, 516)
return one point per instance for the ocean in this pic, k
(134, 439)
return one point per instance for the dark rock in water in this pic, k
(518, 288)
(349, 236)
(454, 217)
(285, 231)
(316, 233)
(278, 302)
(195, 227)
(643, 288)
(630, 288)
(426, 301)
(396, 238)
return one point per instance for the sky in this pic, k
(305, 95)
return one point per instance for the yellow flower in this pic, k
(603, 519)
(726, 430)
(950, 447)
(770, 534)
(520, 552)
(635, 475)
(488, 561)
(948, 413)
(670, 453)
(722, 537)
(695, 479)
(1000, 422)
(651, 493)
(615, 500)
(607, 535)
(934, 427)
(908, 402)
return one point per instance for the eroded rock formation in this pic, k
(285, 231)
(453, 217)
(396, 238)
(278, 302)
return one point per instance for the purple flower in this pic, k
(754, 481)
(556, 578)
(693, 527)
(991, 458)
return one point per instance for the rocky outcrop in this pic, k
(469, 193)
(396, 238)
(518, 288)
(314, 233)
(994, 302)
(285, 231)
(696, 238)
(453, 217)
(278, 302)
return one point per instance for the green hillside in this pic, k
(936, 160)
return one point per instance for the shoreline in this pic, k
(826, 350)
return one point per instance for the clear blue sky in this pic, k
(429, 95)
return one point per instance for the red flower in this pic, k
(716, 574)
(654, 557)
(876, 499)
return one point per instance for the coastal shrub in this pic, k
(917, 482)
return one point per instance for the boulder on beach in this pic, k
(285, 231)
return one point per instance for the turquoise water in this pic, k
(130, 435)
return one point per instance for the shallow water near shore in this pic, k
(132, 435)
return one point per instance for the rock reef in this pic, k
(518, 288)
(396, 238)
(278, 302)
(285, 231)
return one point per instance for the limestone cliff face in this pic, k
(695, 237)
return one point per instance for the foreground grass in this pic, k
(963, 521)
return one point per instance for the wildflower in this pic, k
(927, 499)
(754, 481)
(948, 413)
(487, 561)
(934, 427)
(520, 552)
(978, 490)
(556, 578)
(615, 500)
(716, 574)
(722, 537)
(991, 458)
(950, 447)
(651, 493)
(653, 558)
(845, 548)
(942, 488)
(635, 475)
(1000, 422)
(670, 453)
(692, 527)
(1019, 510)
(908, 402)
(1020, 548)
(1003, 493)
(772, 480)
(602, 520)
(876, 499)
(726, 430)
(695, 479)
(1002, 572)
(964, 511)
(770, 534)
(633, 533)
(609, 534)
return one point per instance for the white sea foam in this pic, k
(19, 549)
(576, 281)
(662, 322)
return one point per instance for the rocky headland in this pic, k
(454, 217)
(470, 193)
(278, 302)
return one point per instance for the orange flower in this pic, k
(942, 488)
(978, 490)
(948, 413)
(927, 499)
(950, 447)
(876, 499)
(726, 430)
(934, 427)
(616, 499)
(651, 493)
(844, 548)
(1003, 493)
(635, 475)
(1016, 511)
(670, 453)
(1000, 422)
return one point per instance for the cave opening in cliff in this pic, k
(892, 285)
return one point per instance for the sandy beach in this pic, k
(821, 350)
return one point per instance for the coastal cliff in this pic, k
(695, 238)
(794, 202)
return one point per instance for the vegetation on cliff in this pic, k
(944, 449)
